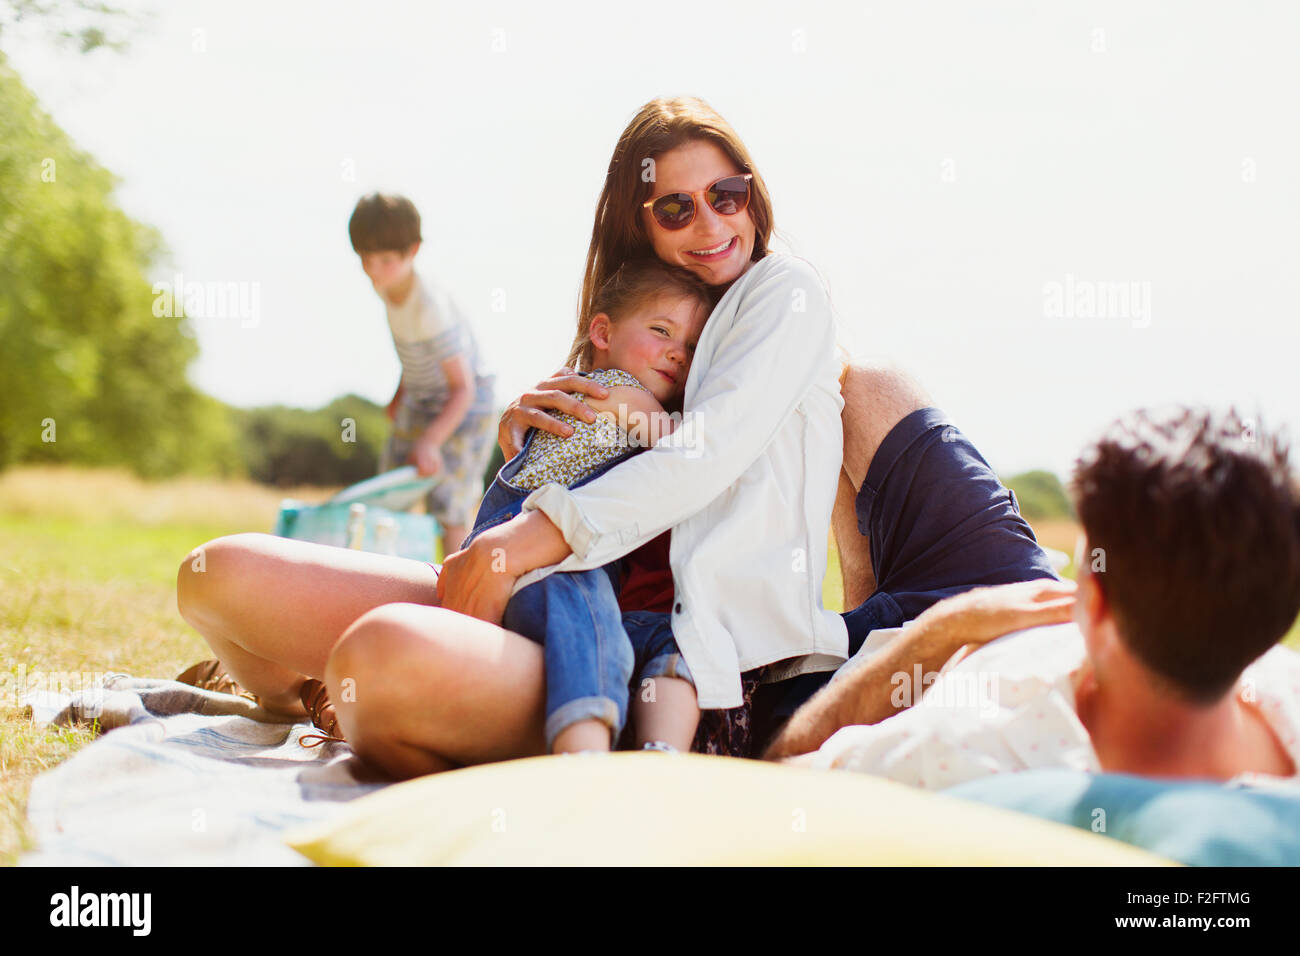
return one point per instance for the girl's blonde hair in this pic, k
(619, 234)
(634, 283)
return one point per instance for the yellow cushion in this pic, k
(650, 809)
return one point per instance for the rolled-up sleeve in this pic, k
(779, 336)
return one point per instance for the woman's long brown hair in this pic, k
(618, 234)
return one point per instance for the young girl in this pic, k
(638, 342)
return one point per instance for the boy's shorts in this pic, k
(939, 522)
(455, 497)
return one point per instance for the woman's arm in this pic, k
(778, 339)
(528, 410)
(479, 580)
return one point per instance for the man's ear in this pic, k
(1091, 598)
(598, 331)
(410, 253)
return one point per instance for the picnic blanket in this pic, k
(182, 776)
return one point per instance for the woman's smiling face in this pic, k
(692, 168)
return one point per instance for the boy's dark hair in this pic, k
(632, 284)
(1197, 516)
(384, 223)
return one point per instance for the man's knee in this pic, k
(877, 397)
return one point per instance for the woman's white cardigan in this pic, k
(746, 482)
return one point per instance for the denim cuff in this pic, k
(583, 708)
(667, 665)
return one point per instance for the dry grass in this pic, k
(1058, 534)
(88, 562)
(100, 494)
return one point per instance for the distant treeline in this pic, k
(335, 445)
(338, 444)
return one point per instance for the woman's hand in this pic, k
(478, 580)
(475, 581)
(527, 412)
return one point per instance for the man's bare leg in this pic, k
(876, 398)
(854, 547)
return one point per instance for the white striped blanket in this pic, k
(182, 777)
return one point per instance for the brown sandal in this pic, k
(313, 697)
(211, 675)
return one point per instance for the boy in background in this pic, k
(444, 420)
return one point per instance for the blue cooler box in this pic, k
(381, 523)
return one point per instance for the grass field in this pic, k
(88, 578)
(88, 562)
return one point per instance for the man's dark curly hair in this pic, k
(1197, 515)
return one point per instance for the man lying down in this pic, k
(1188, 576)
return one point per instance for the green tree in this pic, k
(83, 358)
(335, 445)
(87, 24)
(1041, 495)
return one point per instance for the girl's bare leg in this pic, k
(671, 716)
(583, 735)
(272, 608)
(419, 689)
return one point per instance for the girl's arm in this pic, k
(638, 412)
(778, 339)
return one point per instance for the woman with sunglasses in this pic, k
(785, 440)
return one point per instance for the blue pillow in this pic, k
(1197, 822)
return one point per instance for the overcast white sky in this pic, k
(941, 164)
